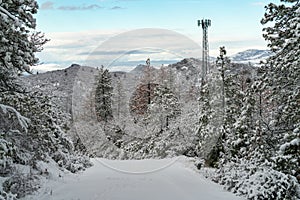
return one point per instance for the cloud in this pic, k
(48, 5)
(45, 67)
(122, 52)
(132, 47)
(103, 53)
(118, 48)
(116, 8)
(92, 48)
(83, 7)
(125, 68)
(66, 48)
(259, 3)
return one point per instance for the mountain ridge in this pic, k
(251, 55)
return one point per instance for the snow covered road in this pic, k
(167, 179)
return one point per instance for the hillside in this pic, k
(251, 56)
(58, 83)
(73, 90)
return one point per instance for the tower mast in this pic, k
(205, 23)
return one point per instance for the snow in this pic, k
(23, 121)
(4, 12)
(184, 68)
(294, 142)
(251, 55)
(134, 180)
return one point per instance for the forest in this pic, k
(241, 121)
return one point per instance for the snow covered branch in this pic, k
(6, 13)
(12, 119)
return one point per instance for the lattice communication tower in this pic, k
(205, 23)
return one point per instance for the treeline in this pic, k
(33, 142)
(256, 137)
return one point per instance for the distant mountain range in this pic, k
(252, 56)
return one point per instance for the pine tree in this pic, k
(164, 106)
(32, 129)
(248, 140)
(103, 96)
(233, 106)
(119, 98)
(37, 132)
(248, 144)
(267, 140)
(206, 129)
(211, 117)
(282, 74)
(224, 102)
(18, 41)
(144, 94)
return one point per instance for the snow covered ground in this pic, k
(167, 179)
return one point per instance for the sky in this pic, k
(79, 28)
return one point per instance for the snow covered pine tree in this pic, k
(282, 73)
(103, 96)
(166, 105)
(265, 164)
(18, 40)
(33, 141)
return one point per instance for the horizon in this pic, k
(77, 28)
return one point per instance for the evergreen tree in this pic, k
(266, 141)
(18, 40)
(141, 99)
(165, 106)
(233, 106)
(282, 73)
(119, 98)
(211, 117)
(32, 129)
(207, 132)
(103, 96)
(36, 133)
(248, 140)
(248, 147)
(144, 94)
